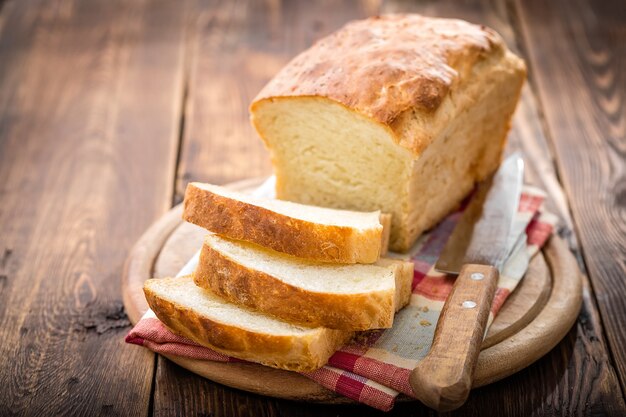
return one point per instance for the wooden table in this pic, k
(109, 107)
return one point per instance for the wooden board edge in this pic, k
(140, 261)
(254, 378)
(547, 329)
(538, 270)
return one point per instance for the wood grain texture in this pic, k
(580, 74)
(88, 123)
(182, 393)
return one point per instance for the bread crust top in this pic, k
(385, 65)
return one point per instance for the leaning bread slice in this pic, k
(346, 297)
(199, 315)
(309, 232)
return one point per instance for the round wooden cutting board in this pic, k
(535, 317)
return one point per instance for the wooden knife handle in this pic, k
(443, 379)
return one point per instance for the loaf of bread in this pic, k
(314, 294)
(308, 232)
(399, 113)
(199, 315)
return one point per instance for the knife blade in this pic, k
(476, 250)
(483, 234)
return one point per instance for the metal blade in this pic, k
(483, 234)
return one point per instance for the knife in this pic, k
(477, 249)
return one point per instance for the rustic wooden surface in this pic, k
(585, 114)
(107, 109)
(89, 114)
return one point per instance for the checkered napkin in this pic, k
(374, 368)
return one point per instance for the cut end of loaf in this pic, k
(327, 155)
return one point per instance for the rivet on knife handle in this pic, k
(443, 379)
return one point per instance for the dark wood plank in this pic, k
(578, 63)
(89, 109)
(181, 393)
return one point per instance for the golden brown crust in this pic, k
(385, 65)
(385, 220)
(263, 292)
(292, 353)
(244, 221)
(404, 284)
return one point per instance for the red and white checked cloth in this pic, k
(374, 368)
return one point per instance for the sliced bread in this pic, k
(199, 315)
(310, 293)
(310, 232)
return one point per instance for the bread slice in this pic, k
(346, 297)
(199, 315)
(399, 113)
(309, 232)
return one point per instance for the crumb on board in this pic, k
(425, 323)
